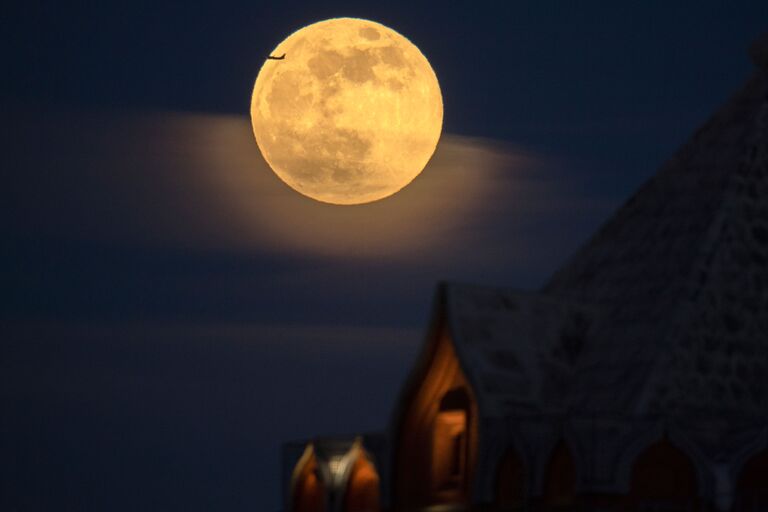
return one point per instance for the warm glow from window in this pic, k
(449, 449)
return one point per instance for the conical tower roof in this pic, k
(680, 273)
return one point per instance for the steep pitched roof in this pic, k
(681, 274)
(518, 349)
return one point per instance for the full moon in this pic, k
(350, 115)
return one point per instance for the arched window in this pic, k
(663, 478)
(752, 485)
(510, 482)
(362, 494)
(308, 491)
(560, 478)
(450, 442)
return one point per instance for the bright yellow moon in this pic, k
(351, 115)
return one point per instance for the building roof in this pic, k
(681, 274)
(518, 348)
(663, 311)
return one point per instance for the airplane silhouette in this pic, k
(277, 58)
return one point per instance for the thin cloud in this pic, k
(168, 216)
(198, 181)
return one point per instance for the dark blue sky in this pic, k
(506, 68)
(171, 312)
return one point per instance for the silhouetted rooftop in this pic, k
(664, 311)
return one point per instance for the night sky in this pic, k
(171, 312)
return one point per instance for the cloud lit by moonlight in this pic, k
(195, 180)
(351, 115)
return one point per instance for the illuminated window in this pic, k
(449, 442)
(449, 449)
(459, 449)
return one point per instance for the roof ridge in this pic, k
(712, 243)
(643, 263)
(667, 168)
(684, 308)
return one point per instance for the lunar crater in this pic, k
(369, 33)
(358, 66)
